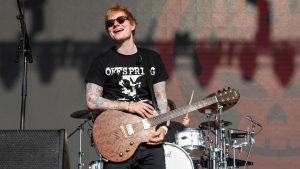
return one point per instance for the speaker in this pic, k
(33, 149)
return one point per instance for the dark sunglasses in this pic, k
(111, 22)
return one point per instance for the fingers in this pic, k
(157, 137)
(143, 109)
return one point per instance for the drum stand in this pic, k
(211, 157)
(223, 155)
(217, 154)
(249, 139)
(80, 153)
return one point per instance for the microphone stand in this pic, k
(24, 50)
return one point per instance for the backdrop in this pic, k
(252, 46)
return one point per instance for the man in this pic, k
(175, 127)
(117, 79)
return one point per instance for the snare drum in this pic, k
(191, 140)
(96, 165)
(176, 157)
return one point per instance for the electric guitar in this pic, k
(117, 134)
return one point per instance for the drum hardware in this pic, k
(220, 142)
(214, 124)
(85, 114)
(82, 114)
(248, 136)
(251, 134)
(217, 152)
(80, 128)
(97, 164)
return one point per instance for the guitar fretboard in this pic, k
(182, 110)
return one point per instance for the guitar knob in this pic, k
(121, 154)
(131, 143)
(127, 149)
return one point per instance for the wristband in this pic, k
(165, 128)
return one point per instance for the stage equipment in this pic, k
(34, 149)
(24, 50)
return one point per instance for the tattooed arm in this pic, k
(161, 96)
(95, 100)
(162, 103)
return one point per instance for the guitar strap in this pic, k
(145, 63)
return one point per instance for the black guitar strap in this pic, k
(144, 61)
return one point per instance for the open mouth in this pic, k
(118, 30)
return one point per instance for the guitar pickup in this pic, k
(146, 124)
(129, 129)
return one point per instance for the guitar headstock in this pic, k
(228, 97)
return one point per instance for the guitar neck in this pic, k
(181, 111)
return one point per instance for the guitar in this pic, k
(118, 134)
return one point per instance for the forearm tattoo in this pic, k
(161, 96)
(95, 100)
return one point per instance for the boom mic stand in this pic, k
(24, 50)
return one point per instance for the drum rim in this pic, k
(191, 129)
(183, 150)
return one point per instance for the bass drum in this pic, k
(177, 157)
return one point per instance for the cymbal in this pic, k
(214, 124)
(81, 114)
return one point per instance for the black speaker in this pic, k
(33, 149)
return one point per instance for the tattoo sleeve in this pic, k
(161, 96)
(95, 100)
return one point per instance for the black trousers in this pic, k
(145, 157)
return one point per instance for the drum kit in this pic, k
(212, 145)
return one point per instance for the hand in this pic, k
(157, 137)
(186, 121)
(143, 109)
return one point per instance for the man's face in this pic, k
(119, 27)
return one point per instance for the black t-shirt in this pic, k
(123, 77)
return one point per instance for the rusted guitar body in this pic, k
(117, 134)
(111, 133)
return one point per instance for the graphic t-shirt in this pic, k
(123, 77)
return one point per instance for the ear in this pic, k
(133, 26)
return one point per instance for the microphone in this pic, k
(253, 121)
(140, 60)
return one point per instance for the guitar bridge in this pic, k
(129, 129)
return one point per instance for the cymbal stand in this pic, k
(208, 116)
(251, 140)
(80, 128)
(235, 146)
(223, 155)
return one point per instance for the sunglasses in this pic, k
(111, 22)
